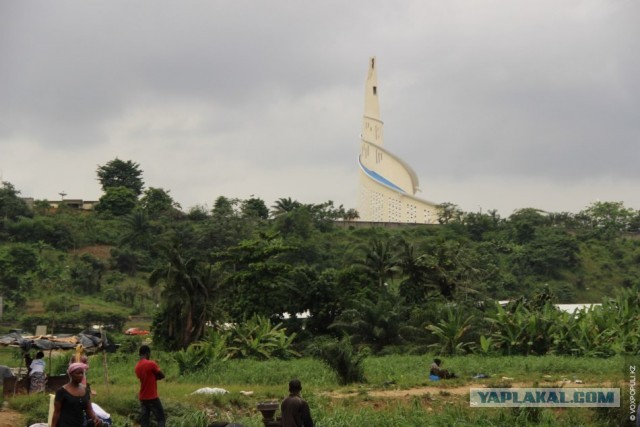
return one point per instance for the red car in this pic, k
(136, 331)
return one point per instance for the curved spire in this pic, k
(371, 123)
(387, 183)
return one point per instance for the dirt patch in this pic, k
(9, 418)
(102, 252)
(407, 393)
(443, 390)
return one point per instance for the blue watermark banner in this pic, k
(544, 397)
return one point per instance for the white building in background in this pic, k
(387, 184)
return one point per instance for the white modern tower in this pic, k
(387, 184)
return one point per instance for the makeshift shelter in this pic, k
(87, 341)
(90, 341)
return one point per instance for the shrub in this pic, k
(343, 358)
(130, 343)
(194, 357)
(255, 338)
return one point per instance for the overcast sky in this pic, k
(495, 104)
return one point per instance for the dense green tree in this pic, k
(479, 225)
(198, 213)
(525, 222)
(86, 273)
(449, 213)
(458, 269)
(44, 229)
(608, 219)
(18, 267)
(119, 173)
(226, 227)
(127, 260)
(11, 205)
(157, 202)
(117, 201)
(324, 214)
(224, 207)
(322, 298)
(254, 207)
(550, 251)
(296, 223)
(257, 280)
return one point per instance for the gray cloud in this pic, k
(496, 104)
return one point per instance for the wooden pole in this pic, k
(105, 365)
(15, 384)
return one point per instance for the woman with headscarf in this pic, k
(85, 360)
(73, 401)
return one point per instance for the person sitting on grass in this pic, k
(437, 371)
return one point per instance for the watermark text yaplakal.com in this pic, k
(544, 397)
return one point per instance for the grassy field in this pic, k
(397, 391)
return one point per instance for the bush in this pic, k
(130, 344)
(343, 358)
(194, 357)
(255, 338)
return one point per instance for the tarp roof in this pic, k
(89, 342)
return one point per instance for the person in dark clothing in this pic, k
(295, 410)
(438, 371)
(72, 405)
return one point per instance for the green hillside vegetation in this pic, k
(365, 291)
(240, 259)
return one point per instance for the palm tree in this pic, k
(351, 215)
(188, 297)
(415, 272)
(451, 332)
(284, 205)
(138, 230)
(380, 262)
(377, 324)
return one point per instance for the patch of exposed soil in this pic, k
(409, 392)
(9, 418)
(443, 390)
(102, 252)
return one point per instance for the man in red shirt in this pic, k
(148, 372)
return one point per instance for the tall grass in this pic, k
(330, 404)
(312, 373)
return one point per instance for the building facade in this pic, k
(388, 185)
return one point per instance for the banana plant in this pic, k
(258, 338)
(451, 332)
